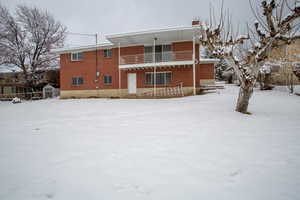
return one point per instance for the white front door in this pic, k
(132, 83)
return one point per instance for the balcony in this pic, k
(162, 59)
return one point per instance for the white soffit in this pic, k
(82, 48)
(146, 37)
(208, 60)
(160, 64)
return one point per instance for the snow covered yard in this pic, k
(185, 148)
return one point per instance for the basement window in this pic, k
(107, 79)
(107, 53)
(76, 56)
(77, 81)
(162, 78)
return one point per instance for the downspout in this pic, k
(154, 61)
(199, 61)
(194, 67)
(97, 73)
(119, 70)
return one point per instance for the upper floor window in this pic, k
(76, 56)
(77, 81)
(107, 79)
(163, 53)
(107, 53)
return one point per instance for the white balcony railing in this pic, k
(170, 56)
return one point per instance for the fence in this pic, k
(27, 95)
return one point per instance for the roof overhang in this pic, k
(160, 64)
(161, 35)
(83, 48)
(208, 61)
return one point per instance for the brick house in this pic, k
(282, 59)
(12, 83)
(157, 63)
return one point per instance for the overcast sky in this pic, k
(119, 16)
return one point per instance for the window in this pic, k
(166, 53)
(163, 53)
(13, 89)
(148, 58)
(107, 79)
(107, 53)
(76, 56)
(162, 78)
(77, 81)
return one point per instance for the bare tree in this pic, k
(26, 39)
(277, 24)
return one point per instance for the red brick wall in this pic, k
(206, 71)
(87, 69)
(179, 74)
(182, 46)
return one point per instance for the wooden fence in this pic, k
(27, 95)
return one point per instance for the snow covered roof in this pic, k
(208, 60)
(12, 68)
(8, 69)
(296, 65)
(82, 48)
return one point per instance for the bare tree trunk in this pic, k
(260, 80)
(292, 84)
(245, 94)
(268, 82)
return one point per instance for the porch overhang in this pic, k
(168, 64)
(209, 61)
(159, 64)
(162, 36)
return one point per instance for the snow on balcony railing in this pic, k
(159, 57)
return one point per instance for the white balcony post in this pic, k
(194, 66)
(119, 69)
(154, 74)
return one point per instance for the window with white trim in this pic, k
(163, 53)
(76, 56)
(107, 79)
(107, 53)
(162, 78)
(77, 81)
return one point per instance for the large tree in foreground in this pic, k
(277, 24)
(26, 39)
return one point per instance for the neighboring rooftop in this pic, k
(8, 69)
(12, 68)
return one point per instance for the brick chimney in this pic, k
(196, 22)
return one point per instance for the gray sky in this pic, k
(118, 16)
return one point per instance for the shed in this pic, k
(50, 92)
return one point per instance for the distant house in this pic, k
(282, 61)
(164, 62)
(12, 82)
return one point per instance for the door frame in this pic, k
(135, 83)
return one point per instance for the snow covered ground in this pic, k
(185, 148)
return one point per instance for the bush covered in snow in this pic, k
(16, 100)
